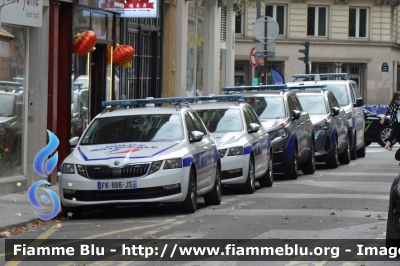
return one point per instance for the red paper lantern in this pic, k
(123, 55)
(84, 42)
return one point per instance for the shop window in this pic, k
(317, 21)
(358, 21)
(12, 86)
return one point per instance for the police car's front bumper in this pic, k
(283, 150)
(233, 169)
(323, 145)
(163, 186)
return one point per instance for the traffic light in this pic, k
(305, 52)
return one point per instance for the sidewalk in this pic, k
(16, 209)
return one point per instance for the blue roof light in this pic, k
(312, 86)
(171, 100)
(332, 75)
(261, 87)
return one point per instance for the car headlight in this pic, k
(321, 126)
(222, 152)
(81, 170)
(349, 115)
(155, 166)
(235, 151)
(173, 163)
(3, 132)
(277, 133)
(68, 168)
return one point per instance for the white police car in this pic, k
(142, 155)
(243, 143)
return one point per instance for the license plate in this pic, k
(111, 185)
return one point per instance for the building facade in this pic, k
(23, 84)
(353, 36)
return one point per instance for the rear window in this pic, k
(222, 120)
(313, 104)
(340, 92)
(268, 107)
(135, 128)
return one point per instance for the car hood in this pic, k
(315, 119)
(142, 151)
(226, 138)
(268, 123)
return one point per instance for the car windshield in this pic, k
(222, 120)
(268, 107)
(313, 104)
(134, 128)
(340, 92)
(6, 105)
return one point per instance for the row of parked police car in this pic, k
(174, 154)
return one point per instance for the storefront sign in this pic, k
(385, 67)
(132, 8)
(23, 13)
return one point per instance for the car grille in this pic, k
(122, 194)
(106, 172)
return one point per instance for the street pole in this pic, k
(266, 52)
(258, 15)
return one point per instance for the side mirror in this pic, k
(335, 111)
(296, 114)
(253, 128)
(359, 102)
(397, 155)
(74, 141)
(196, 136)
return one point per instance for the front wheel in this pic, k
(344, 157)
(353, 151)
(293, 171)
(249, 187)
(333, 162)
(361, 152)
(383, 134)
(308, 166)
(214, 197)
(190, 203)
(267, 180)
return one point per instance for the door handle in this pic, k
(213, 145)
(301, 123)
(205, 148)
(308, 120)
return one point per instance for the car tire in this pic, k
(190, 203)
(249, 187)
(215, 196)
(308, 167)
(293, 171)
(267, 180)
(344, 157)
(75, 211)
(383, 133)
(353, 150)
(333, 162)
(361, 152)
(392, 238)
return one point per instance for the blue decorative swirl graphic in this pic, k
(44, 153)
(32, 198)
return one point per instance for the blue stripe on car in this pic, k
(289, 146)
(247, 149)
(187, 161)
(332, 138)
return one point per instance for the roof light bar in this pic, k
(171, 100)
(301, 87)
(261, 87)
(318, 76)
